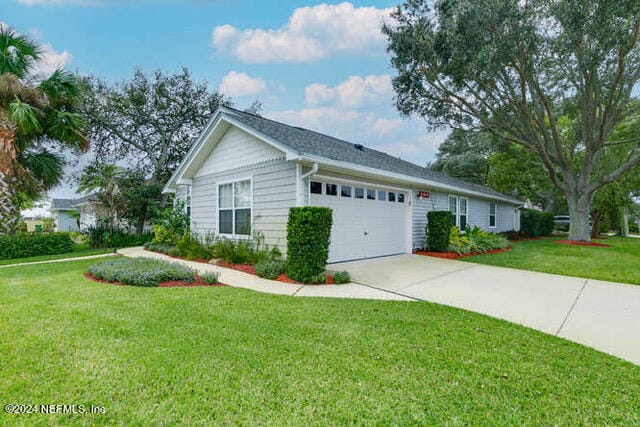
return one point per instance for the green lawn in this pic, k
(75, 254)
(617, 263)
(182, 356)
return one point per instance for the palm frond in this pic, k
(25, 117)
(17, 53)
(37, 172)
(68, 128)
(62, 88)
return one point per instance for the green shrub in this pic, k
(191, 248)
(535, 223)
(210, 278)
(101, 236)
(438, 227)
(475, 240)
(249, 251)
(308, 235)
(173, 218)
(341, 277)
(141, 271)
(23, 245)
(161, 248)
(318, 279)
(162, 234)
(269, 268)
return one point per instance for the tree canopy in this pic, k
(555, 76)
(150, 121)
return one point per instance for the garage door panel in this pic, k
(364, 228)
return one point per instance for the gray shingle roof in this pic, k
(311, 143)
(62, 204)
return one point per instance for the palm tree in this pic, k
(32, 115)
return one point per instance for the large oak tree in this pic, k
(555, 76)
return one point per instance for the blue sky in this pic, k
(311, 64)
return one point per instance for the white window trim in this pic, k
(457, 212)
(233, 216)
(466, 210)
(495, 215)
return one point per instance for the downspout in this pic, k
(300, 193)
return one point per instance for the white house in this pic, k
(89, 207)
(245, 172)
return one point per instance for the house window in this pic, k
(345, 191)
(359, 193)
(187, 202)
(453, 208)
(331, 189)
(400, 197)
(382, 195)
(463, 213)
(234, 208)
(371, 194)
(392, 196)
(316, 187)
(492, 214)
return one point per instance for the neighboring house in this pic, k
(244, 173)
(62, 214)
(34, 224)
(91, 210)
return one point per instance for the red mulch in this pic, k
(574, 242)
(453, 255)
(248, 268)
(170, 284)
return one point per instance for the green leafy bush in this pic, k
(24, 245)
(438, 228)
(141, 271)
(164, 235)
(172, 223)
(475, 240)
(191, 248)
(210, 278)
(249, 251)
(101, 236)
(535, 223)
(269, 268)
(308, 235)
(341, 277)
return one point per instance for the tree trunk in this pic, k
(579, 208)
(140, 224)
(625, 222)
(9, 210)
(595, 229)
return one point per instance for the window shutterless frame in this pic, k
(234, 210)
(492, 214)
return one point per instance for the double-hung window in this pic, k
(492, 214)
(453, 208)
(462, 215)
(234, 208)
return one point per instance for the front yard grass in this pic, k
(617, 263)
(184, 356)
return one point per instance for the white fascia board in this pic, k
(264, 138)
(170, 185)
(400, 177)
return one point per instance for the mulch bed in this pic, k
(249, 269)
(170, 284)
(453, 255)
(574, 242)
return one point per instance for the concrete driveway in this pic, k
(602, 315)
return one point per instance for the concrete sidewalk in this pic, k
(239, 279)
(602, 315)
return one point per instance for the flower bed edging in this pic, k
(454, 255)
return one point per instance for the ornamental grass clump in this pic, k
(141, 271)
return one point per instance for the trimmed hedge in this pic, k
(23, 245)
(308, 236)
(141, 271)
(535, 223)
(439, 225)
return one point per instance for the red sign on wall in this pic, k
(423, 195)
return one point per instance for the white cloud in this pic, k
(353, 92)
(50, 59)
(312, 33)
(241, 84)
(385, 126)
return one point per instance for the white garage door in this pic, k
(368, 220)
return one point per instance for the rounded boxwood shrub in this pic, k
(308, 236)
(439, 225)
(535, 223)
(341, 277)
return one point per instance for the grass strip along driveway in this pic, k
(226, 355)
(616, 263)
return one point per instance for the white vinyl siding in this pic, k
(274, 192)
